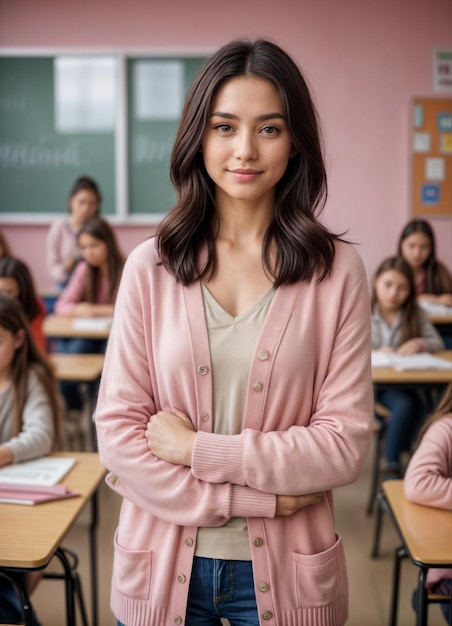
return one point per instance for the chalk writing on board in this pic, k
(39, 155)
(150, 150)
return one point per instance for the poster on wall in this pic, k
(431, 148)
(442, 70)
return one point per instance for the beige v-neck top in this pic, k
(232, 342)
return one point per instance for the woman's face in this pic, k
(9, 343)
(392, 290)
(83, 205)
(416, 249)
(10, 286)
(247, 146)
(94, 251)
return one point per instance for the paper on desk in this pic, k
(433, 308)
(419, 361)
(92, 323)
(42, 472)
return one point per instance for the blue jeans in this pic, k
(10, 605)
(221, 589)
(71, 391)
(407, 412)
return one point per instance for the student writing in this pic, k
(236, 393)
(428, 481)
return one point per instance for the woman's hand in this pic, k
(409, 347)
(288, 505)
(445, 298)
(171, 437)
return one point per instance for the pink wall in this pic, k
(364, 61)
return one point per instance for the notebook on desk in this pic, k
(92, 323)
(419, 361)
(42, 472)
(32, 494)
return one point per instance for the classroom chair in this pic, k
(381, 412)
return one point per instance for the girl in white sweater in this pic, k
(29, 414)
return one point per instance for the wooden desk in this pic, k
(77, 367)
(56, 326)
(426, 534)
(389, 375)
(31, 534)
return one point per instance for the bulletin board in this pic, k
(432, 157)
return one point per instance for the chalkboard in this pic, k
(157, 90)
(38, 163)
(41, 153)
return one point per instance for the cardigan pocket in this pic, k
(132, 571)
(320, 579)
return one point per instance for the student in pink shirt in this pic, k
(91, 292)
(428, 481)
(237, 391)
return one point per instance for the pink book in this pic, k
(33, 494)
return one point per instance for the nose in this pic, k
(246, 146)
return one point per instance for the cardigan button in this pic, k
(266, 615)
(258, 542)
(203, 369)
(204, 417)
(257, 386)
(177, 619)
(188, 542)
(262, 355)
(263, 587)
(181, 578)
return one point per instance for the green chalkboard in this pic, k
(38, 163)
(156, 91)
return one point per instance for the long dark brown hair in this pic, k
(28, 357)
(304, 247)
(100, 229)
(434, 274)
(444, 406)
(28, 297)
(5, 248)
(411, 324)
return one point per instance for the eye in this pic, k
(223, 128)
(270, 130)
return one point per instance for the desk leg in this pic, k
(93, 556)
(399, 554)
(422, 598)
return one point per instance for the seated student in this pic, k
(399, 325)
(17, 281)
(62, 248)
(5, 248)
(433, 280)
(428, 481)
(29, 415)
(91, 291)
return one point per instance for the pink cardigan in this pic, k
(307, 428)
(428, 479)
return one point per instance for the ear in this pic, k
(19, 338)
(293, 152)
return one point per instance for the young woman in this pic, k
(417, 247)
(62, 248)
(399, 325)
(237, 391)
(428, 481)
(16, 280)
(29, 412)
(91, 291)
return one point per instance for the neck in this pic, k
(243, 225)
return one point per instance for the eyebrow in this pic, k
(260, 118)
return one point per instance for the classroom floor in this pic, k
(369, 579)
